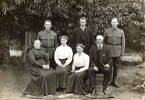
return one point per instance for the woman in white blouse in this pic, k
(63, 58)
(76, 81)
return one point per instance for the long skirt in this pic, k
(76, 83)
(62, 76)
(43, 82)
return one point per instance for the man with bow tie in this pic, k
(100, 62)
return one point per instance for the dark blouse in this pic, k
(37, 57)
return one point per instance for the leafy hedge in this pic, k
(65, 13)
(18, 16)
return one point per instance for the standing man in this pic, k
(100, 61)
(48, 40)
(82, 34)
(115, 41)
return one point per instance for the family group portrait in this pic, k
(72, 49)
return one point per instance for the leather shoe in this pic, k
(114, 84)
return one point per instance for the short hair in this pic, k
(47, 21)
(38, 41)
(115, 19)
(100, 37)
(81, 45)
(63, 37)
(83, 18)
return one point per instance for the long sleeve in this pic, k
(109, 58)
(56, 44)
(58, 62)
(105, 36)
(73, 66)
(86, 64)
(38, 36)
(81, 61)
(91, 38)
(32, 59)
(92, 64)
(73, 39)
(123, 44)
(46, 57)
(69, 60)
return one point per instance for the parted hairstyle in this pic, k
(63, 37)
(81, 45)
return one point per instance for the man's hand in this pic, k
(47, 66)
(107, 66)
(44, 66)
(96, 68)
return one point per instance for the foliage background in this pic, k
(19, 16)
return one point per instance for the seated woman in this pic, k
(63, 58)
(76, 81)
(43, 77)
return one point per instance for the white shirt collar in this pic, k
(64, 46)
(83, 28)
(98, 45)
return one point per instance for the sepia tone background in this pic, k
(21, 20)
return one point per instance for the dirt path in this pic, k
(13, 80)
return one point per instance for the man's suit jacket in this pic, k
(99, 58)
(85, 37)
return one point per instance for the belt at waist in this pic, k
(78, 68)
(45, 47)
(113, 44)
(63, 61)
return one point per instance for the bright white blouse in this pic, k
(80, 61)
(63, 52)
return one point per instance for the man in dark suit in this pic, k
(82, 34)
(100, 62)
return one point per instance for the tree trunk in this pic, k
(4, 48)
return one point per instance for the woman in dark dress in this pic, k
(63, 58)
(76, 81)
(43, 77)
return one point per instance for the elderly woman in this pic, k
(63, 58)
(76, 81)
(43, 77)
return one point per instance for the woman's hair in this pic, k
(80, 45)
(37, 41)
(63, 37)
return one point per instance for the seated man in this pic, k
(100, 61)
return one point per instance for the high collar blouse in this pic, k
(81, 60)
(63, 52)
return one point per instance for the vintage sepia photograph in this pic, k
(72, 49)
